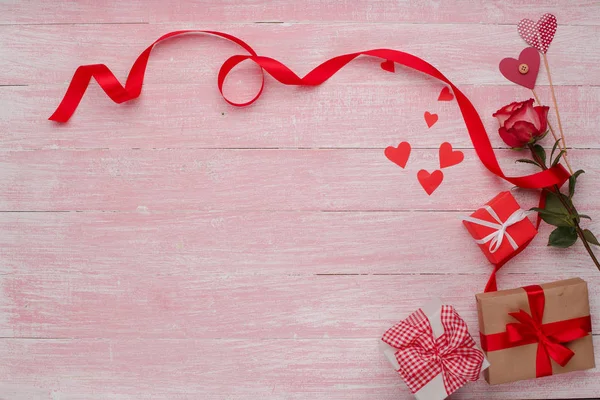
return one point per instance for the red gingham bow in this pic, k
(422, 357)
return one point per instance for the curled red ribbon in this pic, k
(529, 329)
(556, 175)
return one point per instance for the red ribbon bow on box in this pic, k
(549, 337)
(422, 357)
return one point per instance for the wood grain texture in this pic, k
(258, 243)
(370, 115)
(14, 12)
(184, 301)
(378, 11)
(200, 179)
(301, 47)
(279, 369)
(176, 247)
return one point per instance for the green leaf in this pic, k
(528, 161)
(573, 181)
(562, 237)
(540, 153)
(556, 213)
(552, 218)
(554, 148)
(589, 237)
(557, 159)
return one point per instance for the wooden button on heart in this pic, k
(523, 68)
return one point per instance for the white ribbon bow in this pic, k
(495, 238)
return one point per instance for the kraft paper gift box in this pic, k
(486, 224)
(430, 341)
(536, 330)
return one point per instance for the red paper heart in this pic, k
(388, 66)
(428, 181)
(398, 155)
(430, 119)
(446, 95)
(538, 34)
(449, 157)
(509, 67)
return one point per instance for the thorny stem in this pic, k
(578, 229)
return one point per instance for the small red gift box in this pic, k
(500, 228)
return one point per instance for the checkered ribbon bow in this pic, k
(422, 357)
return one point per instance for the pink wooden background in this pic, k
(178, 248)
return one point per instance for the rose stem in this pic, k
(560, 144)
(568, 208)
(562, 135)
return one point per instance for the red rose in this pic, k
(521, 123)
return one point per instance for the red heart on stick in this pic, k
(430, 119)
(446, 95)
(523, 71)
(538, 34)
(449, 157)
(388, 66)
(428, 181)
(398, 155)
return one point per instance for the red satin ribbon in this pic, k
(556, 175)
(491, 285)
(549, 337)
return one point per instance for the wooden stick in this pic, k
(562, 135)
(549, 125)
(556, 139)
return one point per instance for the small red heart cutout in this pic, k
(523, 71)
(446, 95)
(430, 182)
(430, 119)
(538, 34)
(398, 155)
(449, 157)
(388, 66)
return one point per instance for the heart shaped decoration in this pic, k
(388, 66)
(523, 71)
(428, 181)
(449, 157)
(446, 95)
(398, 155)
(430, 119)
(538, 34)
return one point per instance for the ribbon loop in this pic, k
(555, 175)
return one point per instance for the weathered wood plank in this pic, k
(72, 11)
(332, 179)
(128, 302)
(464, 53)
(378, 11)
(582, 12)
(340, 114)
(261, 243)
(233, 369)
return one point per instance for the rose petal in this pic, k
(523, 131)
(510, 138)
(505, 112)
(525, 113)
(542, 112)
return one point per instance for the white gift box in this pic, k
(435, 388)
